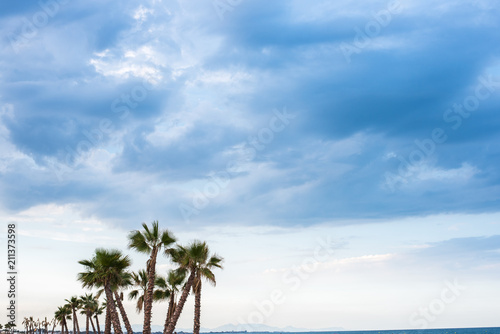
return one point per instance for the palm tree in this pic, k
(107, 320)
(74, 303)
(54, 324)
(203, 271)
(124, 282)
(190, 260)
(98, 311)
(26, 323)
(170, 288)
(62, 314)
(45, 324)
(140, 279)
(118, 299)
(150, 241)
(88, 305)
(105, 270)
(9, 326)
(38, 324)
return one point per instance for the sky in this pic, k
(342, 156)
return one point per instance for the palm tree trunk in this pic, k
(97, 323)
(171, 308)
(180, 305)
(92, 323)
(77, 325)
(123, 313)
(197, 306)
(66, 325)
(87, 324)
(74, 320)
(107, 323)
(112, 310)
(148, 298)
(54, 327)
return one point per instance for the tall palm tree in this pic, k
(170, 288)
(62, 314)
(140, 280)
(150, 241)
(203, 271)
(105, 270)
(190, 259)
(74, 304)
(88, 305)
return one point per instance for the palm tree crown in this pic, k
(106, 270)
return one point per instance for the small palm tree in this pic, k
(9, 326)
(150, 241)
(125, 281)
(140, 280)
(88, 305)
(38, 324)
(98, 311)
(63, 314)
(25, 322)
(171, 287)
(29, 324)
(105, 270)
(54, 324)
(74, 304)
(45, 324)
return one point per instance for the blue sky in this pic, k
(262, 127)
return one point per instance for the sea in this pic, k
(481, 330)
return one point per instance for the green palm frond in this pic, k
(133, 294)
(138, 242)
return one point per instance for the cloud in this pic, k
(183, 90)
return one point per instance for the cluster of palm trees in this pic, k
(33, 326)
(88, 305)
(108, 271)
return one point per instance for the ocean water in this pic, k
(483, 330)
(495, 330)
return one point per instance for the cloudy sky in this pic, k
(340, 155)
